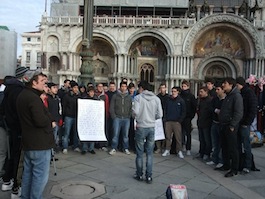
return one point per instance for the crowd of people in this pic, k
(38, 117)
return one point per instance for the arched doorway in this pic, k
(54, 66)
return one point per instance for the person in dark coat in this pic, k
(14, 86)
(54, 106)
(204, 123)
(163, 96)
(70, 117)
(250, 103)
(37, 136)
(191, 105)
(230, 116)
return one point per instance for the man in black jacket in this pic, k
(191, 105)
(37, 135)
(230, 116)
(14, 86)
(250, 103)
(70, 117)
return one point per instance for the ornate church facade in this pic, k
(158, 41)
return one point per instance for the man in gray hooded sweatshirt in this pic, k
(147, 109)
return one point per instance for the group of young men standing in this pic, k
(225, 113)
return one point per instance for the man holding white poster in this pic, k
(147, 108)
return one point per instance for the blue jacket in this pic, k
(175, 109)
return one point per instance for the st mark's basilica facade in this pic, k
(158, 41)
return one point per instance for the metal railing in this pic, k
(121, 21)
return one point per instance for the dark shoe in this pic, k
(139, 178)
(231, 174)
(83, 152)
(92, 152)
(149, 180)
(221, 168)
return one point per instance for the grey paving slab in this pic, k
(115, 173)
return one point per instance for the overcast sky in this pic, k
(22, 16)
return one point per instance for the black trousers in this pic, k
(229, 140)
(186, 132)
(12, 163)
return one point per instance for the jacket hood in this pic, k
(11, 84)
(148, 95)
(234, 91)
(122, 94)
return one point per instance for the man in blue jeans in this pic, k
(250, 103)
(120, 111)
(37, 136)
(146, 110)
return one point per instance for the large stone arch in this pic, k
(240, 24)
(152, 33)
(100, 34)
(232, 68)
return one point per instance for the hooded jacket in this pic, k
(12, 90)
(232, 109)
(147, 109)
(121, 105)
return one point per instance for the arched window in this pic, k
(147, 73)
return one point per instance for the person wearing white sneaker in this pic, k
(175, 111)
(70, 115)
(188, 153)
(180, 154)
(191, 105)
(121, 111)
(112, 152)
(166, 153)
(37, 135)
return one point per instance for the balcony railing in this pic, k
(122, 21)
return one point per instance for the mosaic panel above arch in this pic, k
(230, 19)
(221, 40)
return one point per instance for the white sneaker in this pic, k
(210, 163)
(17, 194)
(104, 149)
(77, 150)
(127, 151)
(113, 151)
(188, 153)
(219, 165)
(7, 186)
(180, 154)
(166, 153)
(65, 151)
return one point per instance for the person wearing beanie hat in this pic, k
(14, 87)
(250, 104)
(20, 71)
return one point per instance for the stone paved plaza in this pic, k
(104, 176)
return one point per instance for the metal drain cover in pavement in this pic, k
(78, 190)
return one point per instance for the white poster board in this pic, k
(159, 130)
(91, 120)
